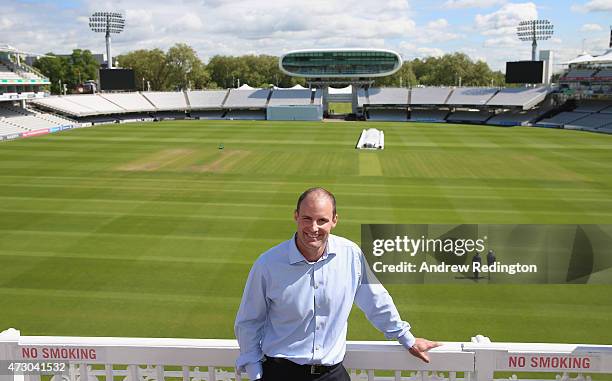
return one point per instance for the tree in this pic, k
(71, 70)
(54, 68)
(149, 66)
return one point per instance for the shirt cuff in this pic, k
(254, 370)
(407, 340)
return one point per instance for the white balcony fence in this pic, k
(153, 359)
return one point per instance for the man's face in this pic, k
(315, 219)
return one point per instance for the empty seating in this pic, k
(210, 99)
(255, 98)
(167, 100)
(591, 106)
(591, 121)
(469, 116)
(436, 116)
(246, 115)
(603, 74)
(387, 96)
(471, 96)
(387, 115)
(607, 110)
(207, 114)
(27, 120)
(131, 102)
(429, 95)
(517, 118)
(522, 97)
(7, 74)
(7, 129)
(290, 97)
(562, 119)
(579, 74)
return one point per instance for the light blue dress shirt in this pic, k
(298, 310)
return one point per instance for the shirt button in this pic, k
(316, 285)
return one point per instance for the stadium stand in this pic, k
(63, 105)
(8, 74)
(590, 122)
(387, 96)
(577, 74)
(135, 117)
(591, 106)
(7, 129)
(95, 102)
(607, 110)
(131, 102)
(387, 115)
(255, 98)
(517, 117)
(429, 95)
(100, 119)
(202, 100)
(290, 97)
(465, 116)
(471, 96)
(435, 116)
(603, 74)
(519, 97)
(166, 100)
(26, 120)
(246, 115)
(170, 115)
(208, 114)
(561, 119)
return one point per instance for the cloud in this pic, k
(593, 6)
(505, 20)
(461, 4)
(591, 28)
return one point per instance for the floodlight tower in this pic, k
(534, 30)
(107, 22)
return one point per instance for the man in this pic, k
(476, 262)
(292, 321)
(490, 260)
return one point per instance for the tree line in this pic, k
(180, 68)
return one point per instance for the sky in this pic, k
(482, 29)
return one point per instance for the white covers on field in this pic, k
(371, 139)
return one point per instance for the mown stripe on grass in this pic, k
(123, 295)
(137, 258)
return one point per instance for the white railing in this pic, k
(153, 359)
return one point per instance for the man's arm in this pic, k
(374, 300)
(250, 322)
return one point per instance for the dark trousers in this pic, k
(288, 371)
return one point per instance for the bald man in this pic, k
(292, 320)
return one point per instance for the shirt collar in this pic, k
(295, 256)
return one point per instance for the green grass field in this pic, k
(150, 229)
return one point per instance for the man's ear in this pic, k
(335, 220)
(295, 215)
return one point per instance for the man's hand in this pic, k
(421, 346)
